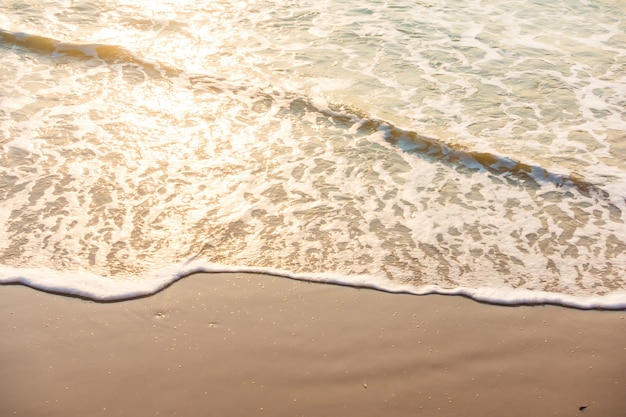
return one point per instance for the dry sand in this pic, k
(246, 345)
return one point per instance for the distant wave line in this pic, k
(406, 140)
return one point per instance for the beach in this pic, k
(312, 208)
(244, 344)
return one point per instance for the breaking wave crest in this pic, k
(415, 143)
(57, 48)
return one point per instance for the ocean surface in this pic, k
(444, 146)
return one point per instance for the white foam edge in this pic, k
(98, 288)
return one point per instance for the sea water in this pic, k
(443, 146)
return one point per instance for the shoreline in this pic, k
(250, 344)
(90, 287)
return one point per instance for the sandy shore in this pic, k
(243, 345)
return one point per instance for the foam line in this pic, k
(103, 289)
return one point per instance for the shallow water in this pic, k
(455, 147)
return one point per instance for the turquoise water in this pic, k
(453, 147)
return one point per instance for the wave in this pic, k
(407, 140)
(348, 119)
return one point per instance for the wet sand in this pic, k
(244, 345)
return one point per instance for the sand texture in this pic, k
(246, 345)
